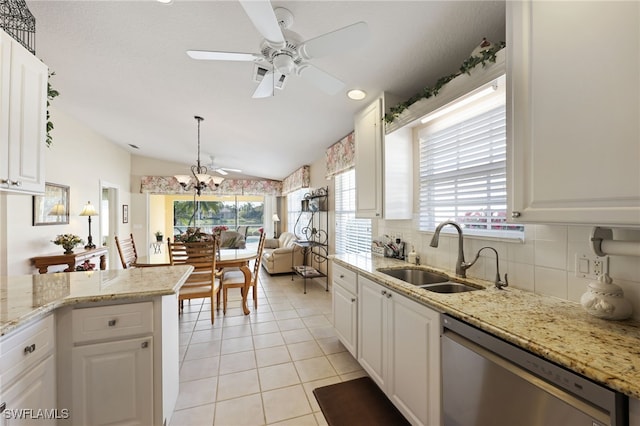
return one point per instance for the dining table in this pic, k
(228, 258)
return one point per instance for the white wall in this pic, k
(80, 159)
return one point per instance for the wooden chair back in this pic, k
(234, 278)
(127, 251)
(202, 281)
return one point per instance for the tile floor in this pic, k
(260, 369)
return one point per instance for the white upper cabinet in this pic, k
(573, 111)
(23, 110)
(384, 166)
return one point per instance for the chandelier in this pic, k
(200, 177)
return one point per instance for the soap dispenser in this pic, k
(606, 300)
(412, 256)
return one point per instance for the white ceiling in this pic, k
(121, 69)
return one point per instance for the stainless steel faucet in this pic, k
(461, 265)
(498, 282)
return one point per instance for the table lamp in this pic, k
(275, 219)
(89, 211)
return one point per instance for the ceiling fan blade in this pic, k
(340, 40)
(221, 171)
(222, 56)
(265, 88)
(321, 79)
(231, 170)
(264, 19)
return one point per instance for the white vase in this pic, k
(605, 300)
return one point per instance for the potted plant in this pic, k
(159, 236)
(68, 242)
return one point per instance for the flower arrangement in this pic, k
(68, 242)
(192, 235)
(86, 266)
(217, 230)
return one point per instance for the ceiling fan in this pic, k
(224, 171)
(282, 52)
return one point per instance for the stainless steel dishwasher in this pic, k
(488, 381)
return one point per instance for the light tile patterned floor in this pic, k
(260, 369)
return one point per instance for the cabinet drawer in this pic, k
(345, 278)
(114, 321)
(26, 346)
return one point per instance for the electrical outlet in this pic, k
(590, 266)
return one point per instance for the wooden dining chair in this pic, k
(127, 251)
(202, 281)
(234, 278)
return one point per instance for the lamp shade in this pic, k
(217, 180)
(275, 217)
(57, 210)
(183, 179)
(89, 210)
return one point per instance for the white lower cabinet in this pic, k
(120, 362)
(345, 307)
(399, 346)
(112, 383)
(28, 375)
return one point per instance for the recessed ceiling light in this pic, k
(164, 1)
(356, 94)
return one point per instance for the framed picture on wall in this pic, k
(51, 208)
(125, 213)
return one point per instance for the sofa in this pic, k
(281, 254)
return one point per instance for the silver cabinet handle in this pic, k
(3, 407)
(389, 295)
(353, 300)
(515, 214)
(30, 349)
(383, 292)
(144, 345)
(112, 323)
(341, 276)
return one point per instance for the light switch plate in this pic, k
(590, 266)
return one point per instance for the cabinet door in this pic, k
(372, 326)
(414, 360)
(368, 140)
(572, 113)
(27, 119)
(32, 399)
(345, 318)
(112, 383)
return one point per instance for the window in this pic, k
(294, 205)
(463, 165)
(352, 235)
(209, 211)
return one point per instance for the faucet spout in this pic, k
(498, 281)
(461, 266)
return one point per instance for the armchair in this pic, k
(281, 254)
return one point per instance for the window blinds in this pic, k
(352, 235)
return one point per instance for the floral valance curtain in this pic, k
(169, 185)
(341, 155)
(301, 178)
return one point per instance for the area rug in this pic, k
(357, 402)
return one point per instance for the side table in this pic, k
(71, 260)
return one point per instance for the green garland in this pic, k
(51, 93)
(483, 57)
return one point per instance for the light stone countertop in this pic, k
(607, 352)
(26, 297)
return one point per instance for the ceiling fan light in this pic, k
(356, 94)
(284, 64)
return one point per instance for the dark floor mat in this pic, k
(357, 402)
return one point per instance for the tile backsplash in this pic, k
(544, 263)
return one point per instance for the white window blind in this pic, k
(294, 204)
(463, 171)
(352, 235)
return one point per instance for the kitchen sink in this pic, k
(414, 276)
(449, 287)
(432, 281)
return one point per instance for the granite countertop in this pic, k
(607, 352)
(25, 297)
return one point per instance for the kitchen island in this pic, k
(92, 347)
(607, 352)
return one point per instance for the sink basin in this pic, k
(449, 287)
(417, 277)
